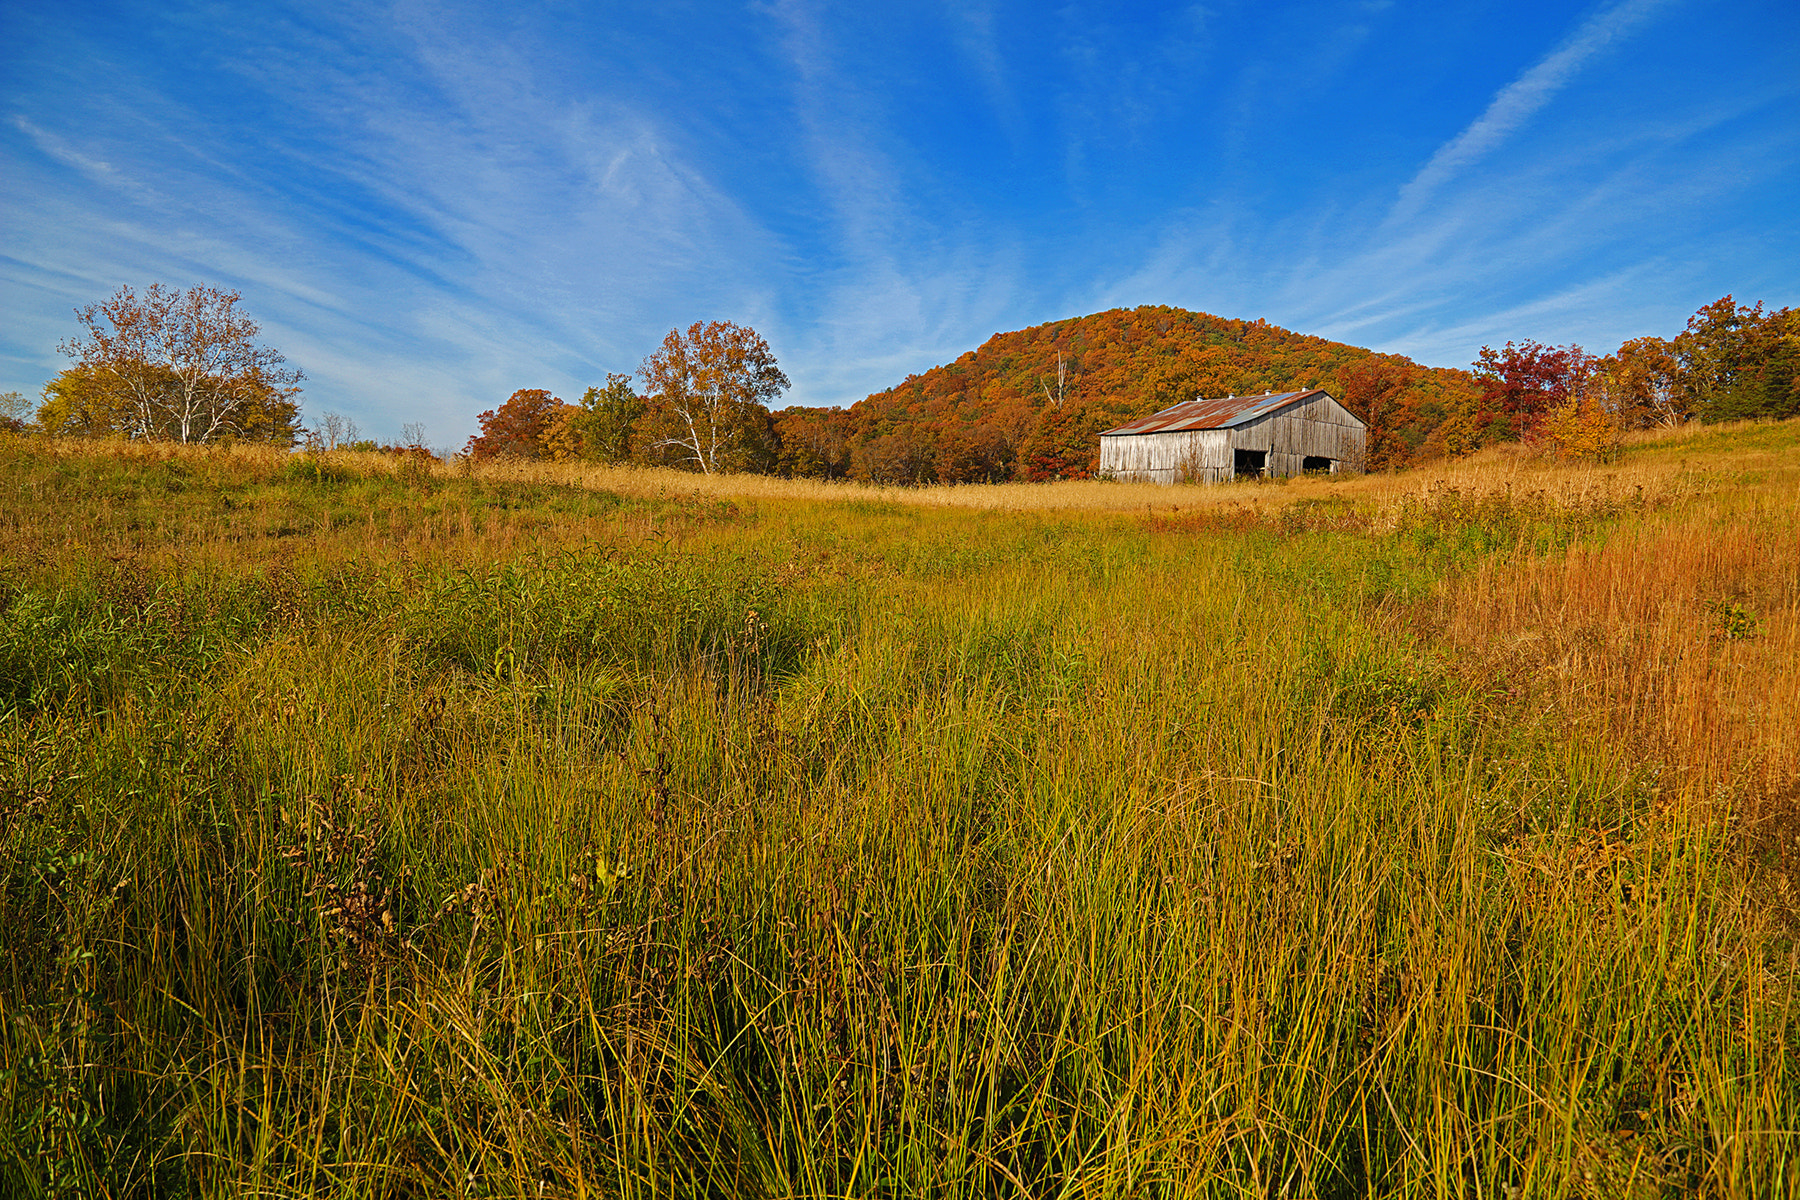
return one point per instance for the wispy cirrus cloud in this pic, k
(453, 206)
(60, 150)
(1522, 99)
(428, 206)
(1557, 252)
(907, 269)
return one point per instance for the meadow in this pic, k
(391, 829)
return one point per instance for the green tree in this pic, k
(1775, 364)
(1738, 362)
(14, 409)
(1710, 352)
(602, 426)
(179, 365)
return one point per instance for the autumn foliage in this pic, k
(518, 428)
(1735, 361)
(1521, 384)
(1732, 362)
(709, 391)
(1031, 404)
(172, 365)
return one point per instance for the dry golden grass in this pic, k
(1300, 838)
(1673, 642)
(1492, 469)
(1675, 648)
(1677, 642)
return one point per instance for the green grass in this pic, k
(374, 836)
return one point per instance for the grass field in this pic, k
(383, 830)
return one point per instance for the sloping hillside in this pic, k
(1030, 404)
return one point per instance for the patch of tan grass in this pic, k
(1494, 469)
(1647, 463)
(1675, 643)
(1680, 639)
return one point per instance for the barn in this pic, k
(1210, 441)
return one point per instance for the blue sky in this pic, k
(430, 205)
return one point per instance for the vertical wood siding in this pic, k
(1315, 427)
(1202, 455)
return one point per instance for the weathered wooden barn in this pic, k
(1210, 441)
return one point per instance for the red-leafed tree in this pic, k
(517, 428)
(1523, 382)
(1065, 442)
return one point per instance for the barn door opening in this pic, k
(1248, 464)
(1316, 462)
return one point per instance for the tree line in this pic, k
(1025, 405)
(1031, 404)
(705, 408)
(1731, 362)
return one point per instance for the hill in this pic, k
(1030, 404)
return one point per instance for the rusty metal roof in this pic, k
(1212, 414)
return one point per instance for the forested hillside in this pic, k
(1030, 404)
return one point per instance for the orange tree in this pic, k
(709, 391)
(815, 442)
(1376, 390)
(518, 428)
(1643, 381)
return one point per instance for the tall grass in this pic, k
(375, 835)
